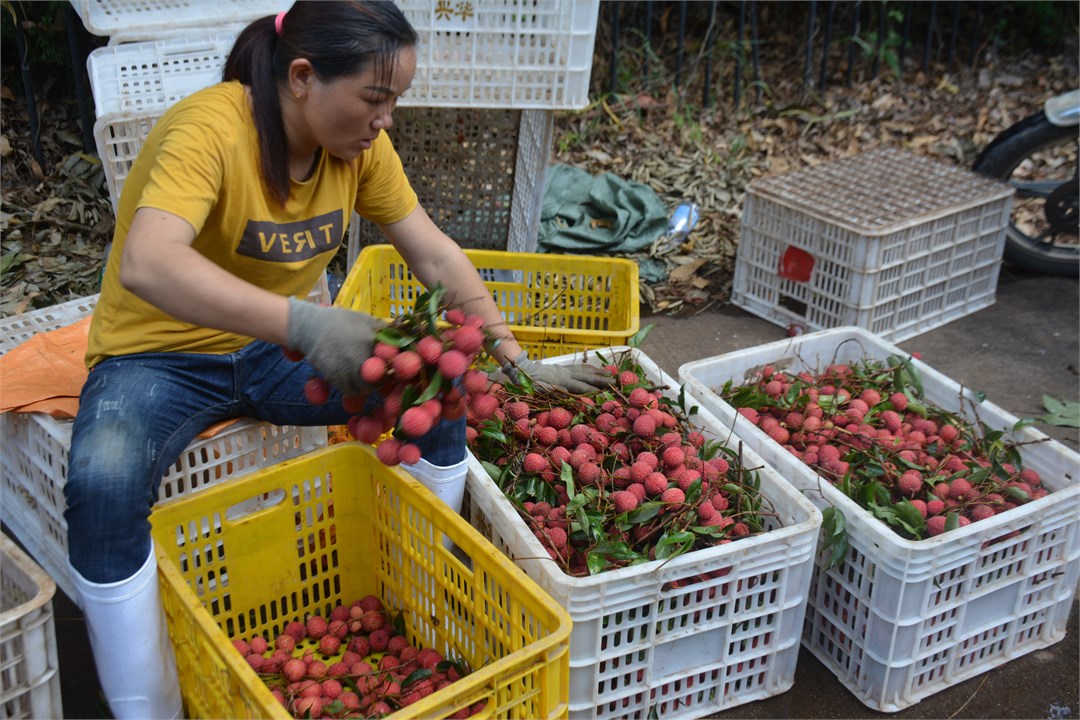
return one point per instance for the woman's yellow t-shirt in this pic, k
(201, 162)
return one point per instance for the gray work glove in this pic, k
(577, 379)
(334, 340)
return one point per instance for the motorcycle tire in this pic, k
(999, 160)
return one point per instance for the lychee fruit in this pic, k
(316, 391)
(673, 496)
(910, 483)
(416, 422)
(407, 365)
(429, 349)
(373, 370)
(624, 501)
(453, 364)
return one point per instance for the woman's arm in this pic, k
(160, 266)
(436, 259)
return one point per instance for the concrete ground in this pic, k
(1024, 346)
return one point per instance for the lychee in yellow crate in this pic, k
(554, 304)
(247, 557)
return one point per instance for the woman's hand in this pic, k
(334, 340)
(578, 379)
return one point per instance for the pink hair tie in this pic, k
(278, 21)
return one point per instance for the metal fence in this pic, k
(717, 48)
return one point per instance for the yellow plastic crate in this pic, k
(251, 555)
(554, 304)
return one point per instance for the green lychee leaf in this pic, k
(1062, 413)
(416, 675)
(434, 388)
(1017, 494)
(638, 338)
(693, 492)
(909, 517)
(644, 512)
(952, 521)
(672, 544)
(493, 470)
(393, 336)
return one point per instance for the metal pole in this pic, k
(647, 34)
(825, 48)
(852, 44)
(28, 92)
(975, 34)
(908, 10)
(614, 61)
(952, 35)
(929, 34)
(682, 43)
(709, 34)
(754, 52)
(739, 54)
(809, 45)
(880, 38)
(78, 68)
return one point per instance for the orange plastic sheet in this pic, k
(46, 373)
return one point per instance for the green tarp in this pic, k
(598, 215)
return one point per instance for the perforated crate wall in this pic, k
(29, 668)
(899, 619)
(890, 241)
(479, 173)
(657, 639)
(482, 53)
(34, 461)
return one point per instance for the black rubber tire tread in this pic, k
(1000, 158)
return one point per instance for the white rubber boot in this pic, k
(132, 651)
(447, 483)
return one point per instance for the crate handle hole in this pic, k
(257, 505)
(793, 304)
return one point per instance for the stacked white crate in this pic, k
(29, 668)
(34, 463)
(486, 54)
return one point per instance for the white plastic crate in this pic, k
(640, 645)
(128, 20)
(900, 619)
(482, 54)
(29, 669)
(33, 465)
(888, 240)
(503, 53)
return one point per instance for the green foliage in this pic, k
(45, 32)
(1063, 413)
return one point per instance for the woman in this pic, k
(232, 211)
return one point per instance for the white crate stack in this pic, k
(536, 57)
(29, 668)
(654, 638)
(33, 467)
(900, 619)
(890, 241)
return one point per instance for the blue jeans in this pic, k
(138, 413)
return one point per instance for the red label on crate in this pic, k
(796, 264)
